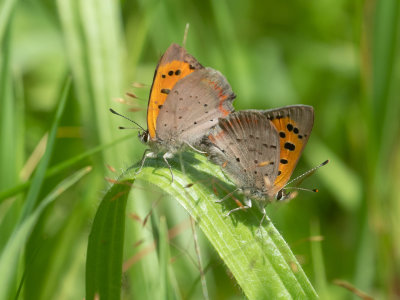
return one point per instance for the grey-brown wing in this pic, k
(246, 145)
(178, 53)
(194, 105)
(174, 65)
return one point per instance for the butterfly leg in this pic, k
(244, 207)
(146, 155)
(165, 157)
(226, 196)
(264, 215)
(260, 229)
(193, 148)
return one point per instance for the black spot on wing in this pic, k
(289, 146)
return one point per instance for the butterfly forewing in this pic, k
(194, 105)
(174, 65)
(294, 125)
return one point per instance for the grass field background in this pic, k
(64, 63)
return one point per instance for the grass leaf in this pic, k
(57, 169)
(105, 246)
(259, 258)
(11, 253)
(38, 179)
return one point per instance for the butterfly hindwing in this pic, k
(174, 65)
(246, 145)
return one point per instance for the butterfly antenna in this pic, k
(308, 173)
(301, 189)
(118, 114)
(134, 128)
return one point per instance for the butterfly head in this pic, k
(284, 195)
(144, 136)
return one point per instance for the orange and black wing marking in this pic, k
(294, 125)
(175, 64)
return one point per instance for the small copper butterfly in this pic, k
(259, 150)
(186, 100)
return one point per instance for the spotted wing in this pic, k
(174, 65)
(294, 125)
(246, 145)
(193, 106)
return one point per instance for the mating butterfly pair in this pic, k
(191, 106)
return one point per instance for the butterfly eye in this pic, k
(279, 195)
(143, 136)
(283, 195)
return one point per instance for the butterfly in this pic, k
(186, 100)
(259, 150)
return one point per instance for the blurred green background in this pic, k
(342, 57)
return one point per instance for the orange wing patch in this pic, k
(166, 77)
(222, 97)
(292, 143)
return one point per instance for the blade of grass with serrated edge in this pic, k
(11, 253)
(38, 179)
(105, 246)
(259, 258)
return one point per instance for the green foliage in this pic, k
(339, 56)
(258, 257)
(12, 251)
(105, 245)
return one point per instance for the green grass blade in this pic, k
(259, 258)
(8, 120)
(6, 11)
(38, 179)
(57, 169)
(11, 253)
(318, 262)
(166, 291)
(384, 45)
(341, 181)
(105, 246)
(92, 38)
